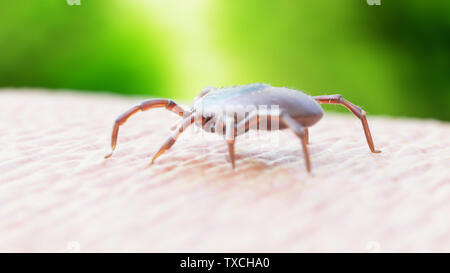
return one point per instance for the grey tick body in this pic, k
(301, 107)
(232, 111)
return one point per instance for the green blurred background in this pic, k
(392, 59)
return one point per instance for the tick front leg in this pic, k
(171, 140)
(144, 106)
(356, 110)
(299, 130)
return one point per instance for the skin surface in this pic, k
(58, 193)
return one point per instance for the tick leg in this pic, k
(231, 131)
(230, 137)
(250, 121)
(306, 135)
(356, 110)
(299, 130)
(144, 106)
(171, 140)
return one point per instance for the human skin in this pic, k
(58, 193)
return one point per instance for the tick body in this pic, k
(232, 111)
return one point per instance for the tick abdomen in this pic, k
(242, 100)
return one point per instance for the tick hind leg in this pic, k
(356, 110)
(171, 140)
(230, 138)
(300, 131)
(252, 121)
(232, 129)
(306, 135)
(144, 106)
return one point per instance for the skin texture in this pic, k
(58, 193)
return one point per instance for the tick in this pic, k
(284, 107)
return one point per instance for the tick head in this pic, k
(197, 100)
(205, 91)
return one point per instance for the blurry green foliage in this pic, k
(392, 59)
(96, 46)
